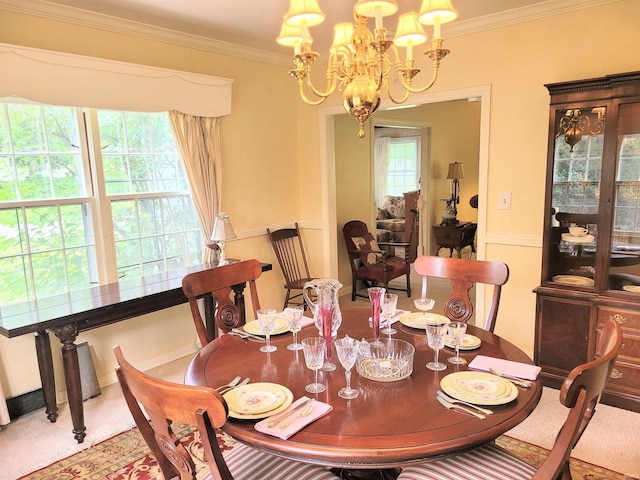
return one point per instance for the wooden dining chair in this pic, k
(464, 274)
(165, 402)
(218, 283)
(370, 264)
(580, 393)
(287, 244)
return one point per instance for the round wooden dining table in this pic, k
(389, 425)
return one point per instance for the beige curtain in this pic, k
(199, 142)
(4, 413)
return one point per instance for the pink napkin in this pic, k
(319, 409)
(394, 319)
(508, 367)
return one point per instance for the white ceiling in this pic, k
(256, 23)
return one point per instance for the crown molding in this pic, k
(44, 9)
(518, 15)
(63, 13)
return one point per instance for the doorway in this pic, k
(331, 128)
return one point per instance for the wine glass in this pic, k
(457, 331)
(313, 349)
(388, 304)
(347, 349)
(267, 322)
(294, 322)
(424, 305)
(435, 337)
(375, 295)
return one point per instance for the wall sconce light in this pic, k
(222, 231)
(574, 124)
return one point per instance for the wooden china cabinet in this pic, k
(593, 181)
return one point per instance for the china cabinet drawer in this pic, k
(624, 378)
(628, 319)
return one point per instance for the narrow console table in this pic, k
(68, 314)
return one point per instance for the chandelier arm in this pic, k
(308, 101)
(393, 99)
(331, 75)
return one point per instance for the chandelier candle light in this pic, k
(222, 231)
(361, 62)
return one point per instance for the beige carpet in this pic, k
(31, 442)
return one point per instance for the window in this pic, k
(404, 160)
(87, 197)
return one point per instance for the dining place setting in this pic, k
(475, 384)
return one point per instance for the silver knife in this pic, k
(276, 421)
(242, 333)
(460, 408)
(446, 397)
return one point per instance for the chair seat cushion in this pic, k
(488, 462)
(246, 463)
(393, 269)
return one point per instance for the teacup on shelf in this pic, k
(577, 231)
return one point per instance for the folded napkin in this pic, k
(394, 319)
(318, 409)
(508, 367)
(305, 319)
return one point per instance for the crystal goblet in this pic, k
(388, 305)
(436, 334)
(347, 349)
(267, 322)
(294, 322)
(313, 349)
(457, 331)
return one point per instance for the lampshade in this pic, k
(373, 8)
(455, 171)
(342, 33)
(436, 11)
(222, 229)
(289, 36)
(304, 12)
(409, 31)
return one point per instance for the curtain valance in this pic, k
(74, 80)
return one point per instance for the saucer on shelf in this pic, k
(567, 237)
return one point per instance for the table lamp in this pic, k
(222, 231)
(455, 173)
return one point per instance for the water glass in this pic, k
(294, 322)
(267, 322)
(436, 335)
(313, 349)
(388, 306)
(457, 331)
(347, 349)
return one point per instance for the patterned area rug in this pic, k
(126, 457)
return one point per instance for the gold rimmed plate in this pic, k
(479, 388)
(420, 320)
(470, 342)
(573, 280)
(258, 400)
(631, 288)
(279, 327)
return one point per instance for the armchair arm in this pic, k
(405, 245)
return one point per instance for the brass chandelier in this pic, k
(360, 62)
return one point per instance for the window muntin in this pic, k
(50, 218)
(404, 160)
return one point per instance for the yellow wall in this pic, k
(271, 152)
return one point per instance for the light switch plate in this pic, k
(504, 201)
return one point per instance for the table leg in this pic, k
(67, 335)
(47, 379)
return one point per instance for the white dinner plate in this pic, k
(631, 288)
(420, 320)
(470, 342)
(279, 327)
(257, 400)
(573, 280)
(480, 388)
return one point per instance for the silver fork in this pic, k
(449, 399)
(231, 387)
(232, 383)
(459, 408)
